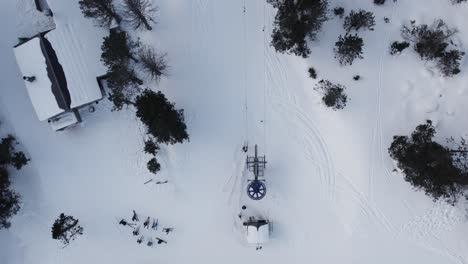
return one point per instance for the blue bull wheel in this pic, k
(256, 190)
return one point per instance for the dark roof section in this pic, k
(56, 75)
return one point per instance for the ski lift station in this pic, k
(257, 231)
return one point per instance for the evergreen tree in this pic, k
(333, 94)
(101, 10)
(338, 11)
(153, 165)
(9, 155)
(164, 122)
(117, 49)
(398, 47)
(348, 48)
(427, 165)
(139, 13)
(66, 229)
(431, 41)
(153, 63)
(296, 21)
(151, 147)
(9, 200)
(357, 20)
(449, 62)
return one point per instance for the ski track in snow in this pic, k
(377, 134)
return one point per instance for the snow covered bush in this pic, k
(427, 165)
(66, 229)
(431, 43)
(295, 22)
(100, 10)
(153, 63)
(348, 48)
(163, 122)
(357, 20)
(333, 94)
(398, 47)
(139, 13)
(312, 73)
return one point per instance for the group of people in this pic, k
(149, 222)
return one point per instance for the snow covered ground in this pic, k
(332, 194)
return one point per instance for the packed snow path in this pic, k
(332, 195)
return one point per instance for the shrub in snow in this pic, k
(379, 2)
(357, 20)
(295, 22)
(338, 11)
(165, 123)
(139, 13)
(427, 165)
(348, 48)
(9, 200)
(66, 229)
(356, 77)
(153, 63)
(153, 165)
(312, 73)
(458, 1)
(333, 94)
(398, 47)
(431, 43)
(100, 10)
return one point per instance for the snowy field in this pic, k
(332, 195)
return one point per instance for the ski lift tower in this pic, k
(256, 188)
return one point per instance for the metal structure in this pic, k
(256, 188)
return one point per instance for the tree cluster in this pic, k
(295, 23)
(138, 13)
(66, 229)
(427, 165)
(434, 43)
(333, 94)
(9, 199)
(348, 48)
(359, 20)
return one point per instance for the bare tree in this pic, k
(153, 63)
(139, 12)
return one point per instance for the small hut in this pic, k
(257, 231)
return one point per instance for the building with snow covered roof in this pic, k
(57, 79)
(257, 231)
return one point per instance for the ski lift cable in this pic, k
(264, 79)
(244, 72)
